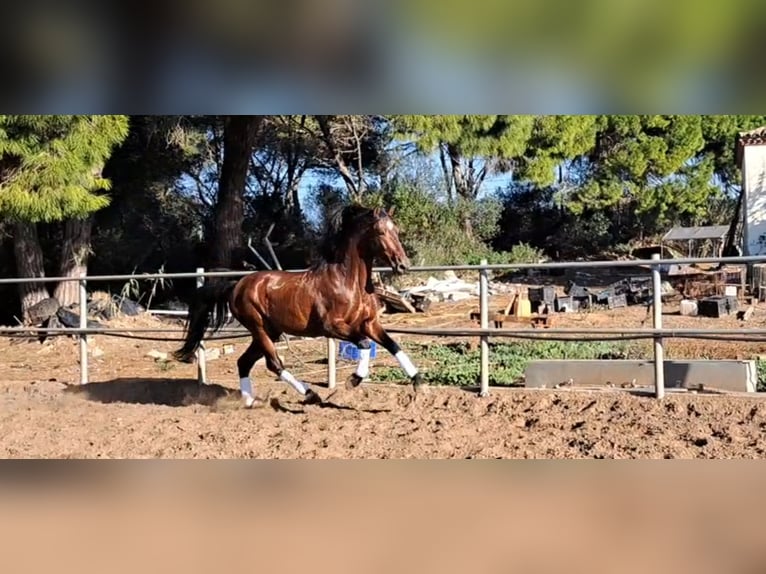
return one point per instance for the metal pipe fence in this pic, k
(658, 333)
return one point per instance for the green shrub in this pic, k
(433, 233)
(760, 367)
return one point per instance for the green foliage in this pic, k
(154, 216)
(431, 230)
(530, 146)
(760, 367)
(50, 166)
(637, 176)
(667, 167)
(456, 364)
(483, 136)
(554, 139)
(720, 132)
(519, 253)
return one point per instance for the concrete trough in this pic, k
(723, 375)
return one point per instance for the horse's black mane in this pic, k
(340, 226)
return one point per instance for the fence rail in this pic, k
(484, 332)
(422, 269)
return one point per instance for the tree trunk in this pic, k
(468, 225)
(354, 189)
(29, 263)
(462, 179)
(448, 182)
(238, 142)
(74, 258)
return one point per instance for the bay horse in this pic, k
(334, 298)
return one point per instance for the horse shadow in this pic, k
(181, 393)
(280, 408)
(326, 403)
(151, 391)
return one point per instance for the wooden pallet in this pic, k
(511, 314)
(537, 321)
(394, 301)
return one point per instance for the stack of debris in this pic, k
(696, 283)
(49, 313)
(630, 291)
(419, 299)
(715, 306)
(451, 288)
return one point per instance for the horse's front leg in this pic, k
(377, 333)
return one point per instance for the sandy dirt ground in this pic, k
(138, 407)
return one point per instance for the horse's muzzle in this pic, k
(400, 267)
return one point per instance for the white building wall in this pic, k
(754, 188)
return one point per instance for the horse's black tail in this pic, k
(208, 308)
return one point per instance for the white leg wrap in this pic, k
(288, 377)
(406, 364)
(363, 367)
(247, 391)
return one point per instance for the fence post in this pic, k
(201, 364)
(659, 355)
(331, 373)
(484, 341)
(83, 304)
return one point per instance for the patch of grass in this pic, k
(165, 365)
(760, 369)
(456, 364)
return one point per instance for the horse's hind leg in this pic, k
(275, 365)
(342, 330)
(363, 366)
(244, 366)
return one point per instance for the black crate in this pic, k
(717, 306)
(585, 302)
(617, 301)
(566, 302)
(541, 307)
(574, 290)
(603, 296)
(544, 294)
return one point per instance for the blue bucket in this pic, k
(350, 352)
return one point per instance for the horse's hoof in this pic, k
(417, 382)
(353, 381)
(250, 402)
(312, 398)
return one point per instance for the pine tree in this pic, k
(667, 168)
(50, 171)
(471, 147)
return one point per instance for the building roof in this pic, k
(704, 232)
(751, 137)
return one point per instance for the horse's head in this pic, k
(384, 239)
(372, 230)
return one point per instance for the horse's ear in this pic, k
(376, 212)
(391, 210)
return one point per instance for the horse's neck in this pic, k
(357, 268)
